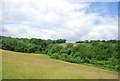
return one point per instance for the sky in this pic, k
(59, 19)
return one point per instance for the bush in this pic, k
(38, 52)
(63, 51)
(117, 68)
(55, 56)
(63, 56)
(78, 60)
(69, 45)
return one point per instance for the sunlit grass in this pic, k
(74, 44)
(18, 65)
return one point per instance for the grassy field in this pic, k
(16, 65)
(74, 44)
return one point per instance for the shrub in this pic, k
(55, 56)
(69, 45)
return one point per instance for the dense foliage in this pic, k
(99, 53)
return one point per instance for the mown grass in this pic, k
(16, 65)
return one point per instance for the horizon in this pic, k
(63, 39)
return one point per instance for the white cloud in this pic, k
(56, 19)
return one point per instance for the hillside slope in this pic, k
(18, 65)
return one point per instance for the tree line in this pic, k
(103, 53)
(104, 41)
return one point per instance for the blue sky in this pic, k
(61, 19)
(110, 7)
(113, 8)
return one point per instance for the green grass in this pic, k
(16, 65)
(74, 44)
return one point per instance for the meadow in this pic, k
(17, 65)
(98, 53)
